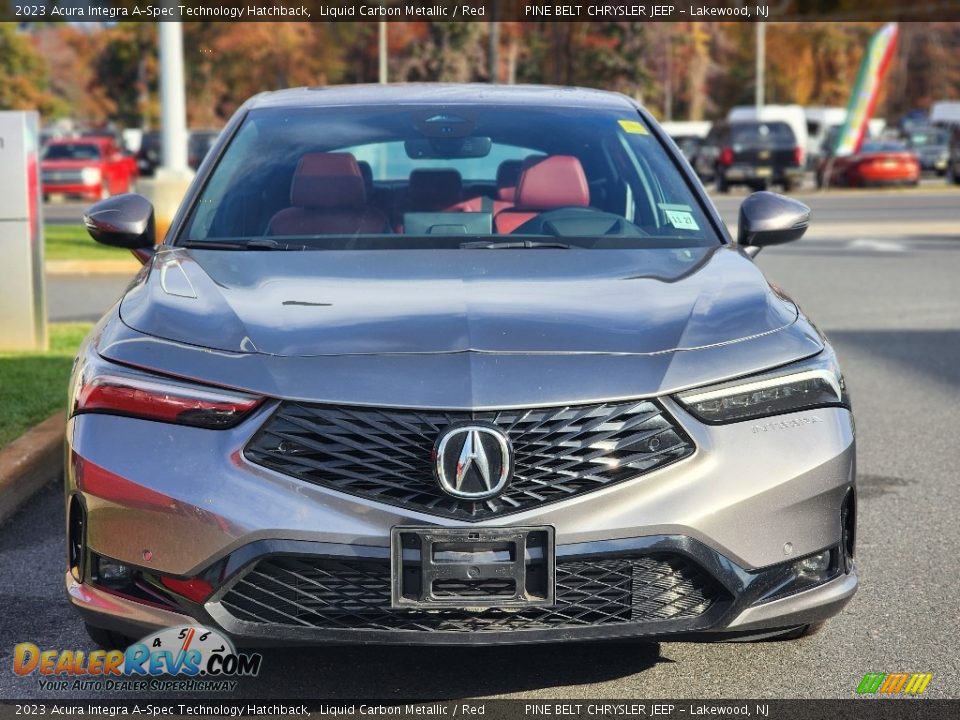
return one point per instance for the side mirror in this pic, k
(124, 221)
(770, 219)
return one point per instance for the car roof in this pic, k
(442, 93)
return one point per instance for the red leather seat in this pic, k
(328, 197)
(554, 182)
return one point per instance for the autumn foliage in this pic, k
(97, 74)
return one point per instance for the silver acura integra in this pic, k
(458, 365)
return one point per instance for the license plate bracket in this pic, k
(472, 568)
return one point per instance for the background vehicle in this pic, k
(198, 145)
(932, 147)
(92, 167)
(879, 162)
(792, 115)
(945, 113)
(148, 156)
(756, 154)
(819, 122)
(953, 162)
(689, 135)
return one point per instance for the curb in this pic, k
(30, 462)
(92, 267)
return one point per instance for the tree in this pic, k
(23, 74)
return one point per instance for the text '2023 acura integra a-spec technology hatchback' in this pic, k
(455, 364)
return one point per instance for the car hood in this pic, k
(452, 301)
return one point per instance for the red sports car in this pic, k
(878, 163)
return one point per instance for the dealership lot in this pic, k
(880, 278)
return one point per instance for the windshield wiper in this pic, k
(515, 245)
(255, 244)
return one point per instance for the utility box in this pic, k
(23, 313)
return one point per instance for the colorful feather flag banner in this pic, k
(866, 89)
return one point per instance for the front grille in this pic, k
(63, 177)
(386, 455)
(352, 594)
(473, 588)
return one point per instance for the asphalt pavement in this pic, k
(891, 306)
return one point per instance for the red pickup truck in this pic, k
(91, 167)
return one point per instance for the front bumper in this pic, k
(743, 524)
(756, 173)
(72, 189)
(743, 605)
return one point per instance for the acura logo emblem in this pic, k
(473, 462)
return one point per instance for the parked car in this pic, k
(688, 135)
(689, 145)
(89, 167)
(323, 413)
(148, 156)
(953, 164)
(932, 147)
(198, 145)
(823, 126)
(793, 115)
(756, 154)
(879, 162)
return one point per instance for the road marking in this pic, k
(887, 246)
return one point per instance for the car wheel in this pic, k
(108, 639)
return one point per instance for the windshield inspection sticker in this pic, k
(680, 217)
(634, 127)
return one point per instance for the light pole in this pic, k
(761, 64)
(383, 52)
(173, 100)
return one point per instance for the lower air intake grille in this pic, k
(355, 594)
(386, 455)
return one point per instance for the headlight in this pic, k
(811, 383)
(90, 176)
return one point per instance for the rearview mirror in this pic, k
(447, 148)
(122, 221)
(770, 219)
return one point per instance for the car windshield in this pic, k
(455, 176)
(72, 151)
(770, 133)
(885, 146)
(930, 137)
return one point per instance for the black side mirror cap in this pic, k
(124, 221)
(767, 218)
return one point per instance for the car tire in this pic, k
(109, 639)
